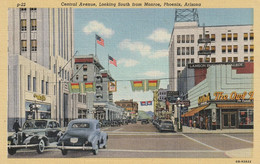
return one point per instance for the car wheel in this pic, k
(105, 146)
(64, 152)
(11, 151)
(40, 147)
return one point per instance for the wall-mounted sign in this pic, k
(172, 96)
(234, 96)
(112, 87)
(204, 99)
(206, 65)
(39, 97)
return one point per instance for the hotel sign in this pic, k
(234, 96)
(206, 65)
(39, 97)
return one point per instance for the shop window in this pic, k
(29, 82)
(23, 25)
(183, 38)
(178, 62)
(192, 60)
(213, 37)
(23, 45)
(245, 59)
(223, 37)
(223, 49)
(213, 60)
(229, 37)
(85, 77)
(192, 51)
(235, 37)
(251, 48)
(213, 49)
(34, 45)
(85, 67)
(183, 50)
(229, 59)
(33, 25)
(229, 48)
(178, 38)
(223, 59)
(245, 48)
(245, 36)
(192, 38)
(187, 50)
(187, 38)
(235, 59)
(252, 36)
(251, 58)
(235, 48)
(201, 60)
(183, 62)
(178, 50)
(246, 117)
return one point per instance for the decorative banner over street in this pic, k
(145, 85)
(74, 87)
(90, 87)
(138, 85)
(112, 86)
(153, 84)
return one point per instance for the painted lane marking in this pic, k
(216, 149)
(117, 130)
(237, 138)
(162, 151)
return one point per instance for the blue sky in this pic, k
(138, 39)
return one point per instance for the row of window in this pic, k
(85, 67)
(185, 50)
(64, 74)
(85, 77)
(24, 45)
(185, 38)
(228, 37)
(235, 59)
(235, 48)
(24, 9)
(182, 63)
(24, 25)
(44, 90)
(84, 97)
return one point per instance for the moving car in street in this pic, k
(35, 134)
(144, 121)
(165, 125)
(83, 134)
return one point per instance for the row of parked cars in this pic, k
(81, 134)
(163, 125)
(119, 122)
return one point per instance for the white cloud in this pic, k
(160, 35)
(159, 54)
(142, 48)
(98, 27)
(153, 73)
(127, 62)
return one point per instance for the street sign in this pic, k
(172, 96)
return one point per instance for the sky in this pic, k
(138, 39)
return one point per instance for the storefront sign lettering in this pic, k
(204, 99)
(234, 96)
(39, 97)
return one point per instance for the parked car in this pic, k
(144, 121)
(35, 134)
(83, 134)
(165, 125)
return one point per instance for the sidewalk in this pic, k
(197, 130)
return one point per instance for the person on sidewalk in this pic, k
(16, 126)
(201, 122)
(194, 123)
(190, 123)
(206, 123)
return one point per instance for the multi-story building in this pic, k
(162, 94)
(40, 46)
(227, 43)
(130, 107)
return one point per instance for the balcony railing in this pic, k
(204, 52)
(205, 40)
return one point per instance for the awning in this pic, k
(237, 105)
(194, 111)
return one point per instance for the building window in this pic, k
(65, 74)
(229, 37)
(213, 49)
(23, 45)
(183, 50)
(200, 36)
(200, 48)
(201, 60)
(223, 37)
(85, 77)
(207, 36)
(54, 68)
(207, 60)
(33, 25)
(245, 36)
(235, 59)
(187, 38)
(77, 67)
(77, 77)
(23, 25)
(187, 61)
(229, 59)
(252, 36)
(34, 45)
(207, 48)
(178, 38)
(68, 76)
(79, 98)
(178, 62)
(192, 51)
(33, 9)
(47, 88)
(183, 62)
(179, 73)
(183, 38)
(245, 59)
(223, 49)
(223, 59)
(229, 48)
(246, 117)
(29, 82)
(213, 37)
(84, 99)
(42, 86)
(235, 37)
(251, 48)
(23, 9)
(187, 50)
(213, 60)
(235, 48)
(192, 38)
(85, 67)
(192, 61)
(178, 50)
(251, 58)
(245, 48)
(54, 90)
(34, 84)
(60, 71)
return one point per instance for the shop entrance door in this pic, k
(229, 120)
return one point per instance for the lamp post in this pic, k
(180, 106)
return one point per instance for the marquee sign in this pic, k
(234, 96)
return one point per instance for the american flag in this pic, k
(100, 41)
(112, 61)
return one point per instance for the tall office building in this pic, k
(40, 46)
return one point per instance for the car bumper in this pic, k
(22, 146)
(75, 147)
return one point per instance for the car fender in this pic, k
(94, 142)
(35, 140)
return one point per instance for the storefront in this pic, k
(37, 110)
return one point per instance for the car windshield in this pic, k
(167, 122)
(80, 125)
(38, 124)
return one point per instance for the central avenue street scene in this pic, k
(130, 83)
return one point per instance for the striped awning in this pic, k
(194, 111)
(237, 105)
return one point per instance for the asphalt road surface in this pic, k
(144, 141)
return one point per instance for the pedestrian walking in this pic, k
(190, 122)
(16, 126)
(194, 123)
(201, 122)
(206, 123)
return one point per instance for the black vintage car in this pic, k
(144, 121)
(35, 134)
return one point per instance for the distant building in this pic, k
(162, 94)
(130, 106)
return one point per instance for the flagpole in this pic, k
(96, 45)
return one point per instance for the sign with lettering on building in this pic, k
(221, 96)
(39, 97)
(172, 96)
(112, 86)
(206, 65)
(204, 99)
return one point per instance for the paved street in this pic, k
(144, 141)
